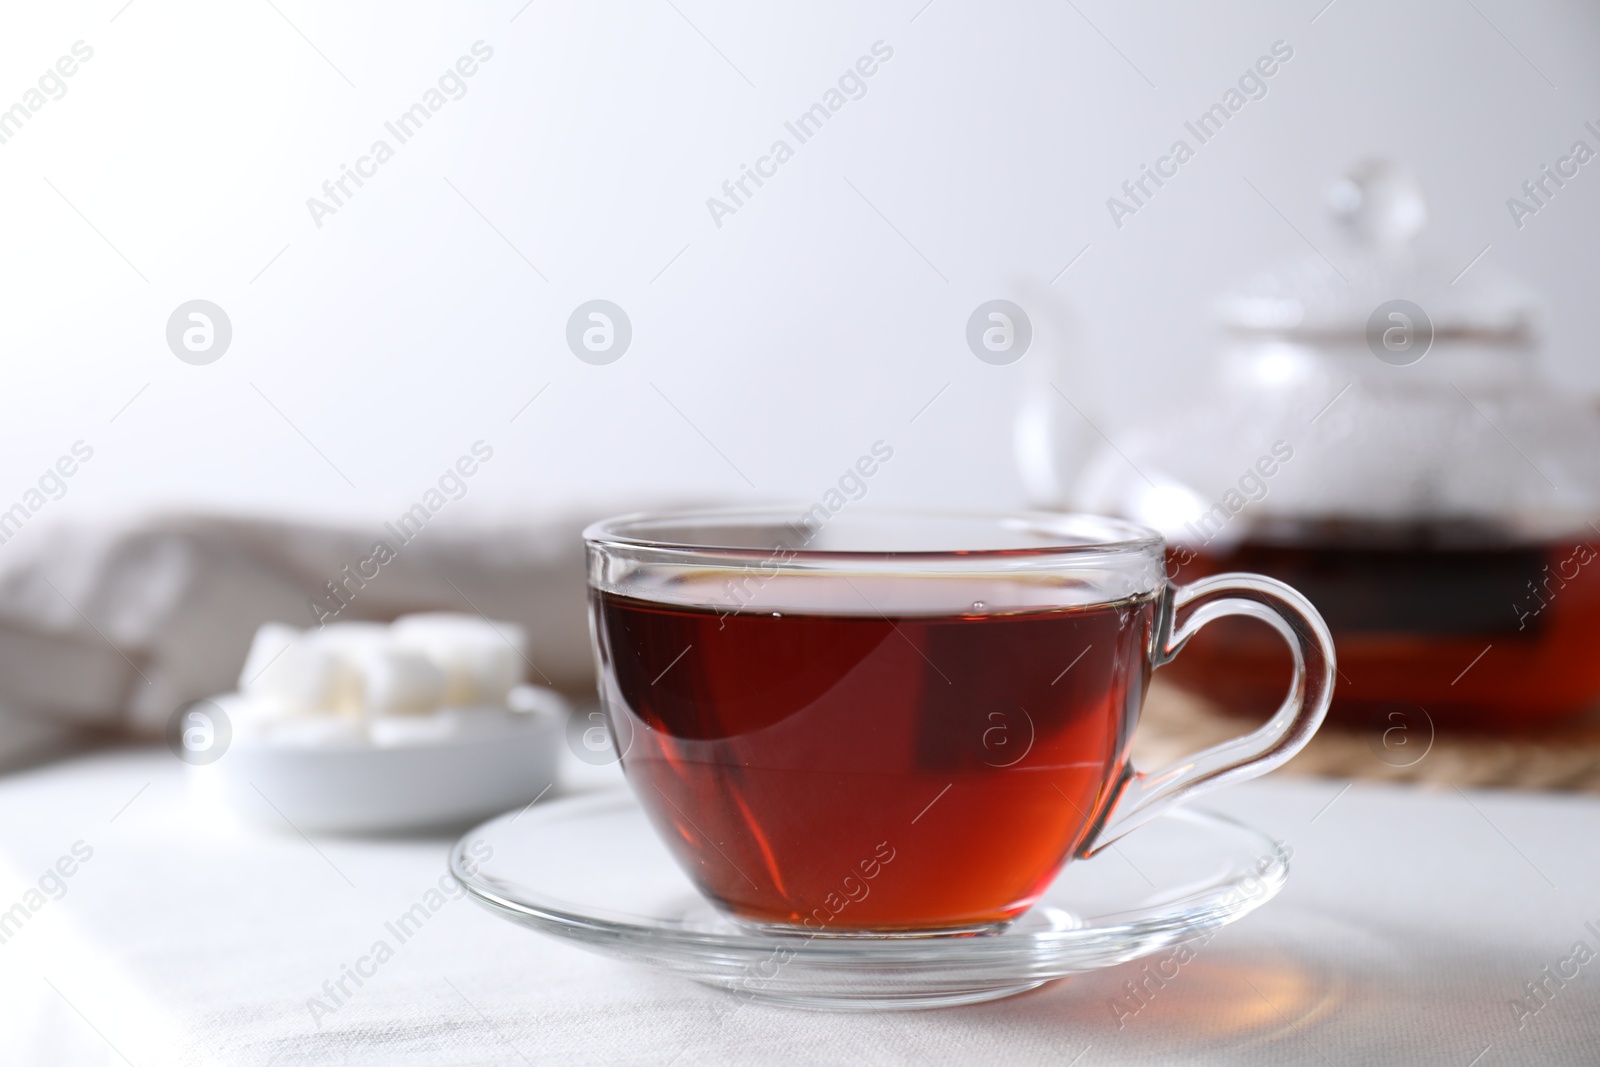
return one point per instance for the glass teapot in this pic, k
(1378, 435)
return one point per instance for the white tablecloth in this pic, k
(1411, 923)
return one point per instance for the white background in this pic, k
(790, 338)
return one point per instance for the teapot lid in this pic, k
(1380, 208)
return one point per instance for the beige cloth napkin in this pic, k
(117, 624)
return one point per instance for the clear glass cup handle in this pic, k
(1185, 610)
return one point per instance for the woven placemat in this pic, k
(1175, 724)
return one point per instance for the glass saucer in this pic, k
(590, 869)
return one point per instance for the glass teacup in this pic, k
(905, 724)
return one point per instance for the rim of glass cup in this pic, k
(1110, 536)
